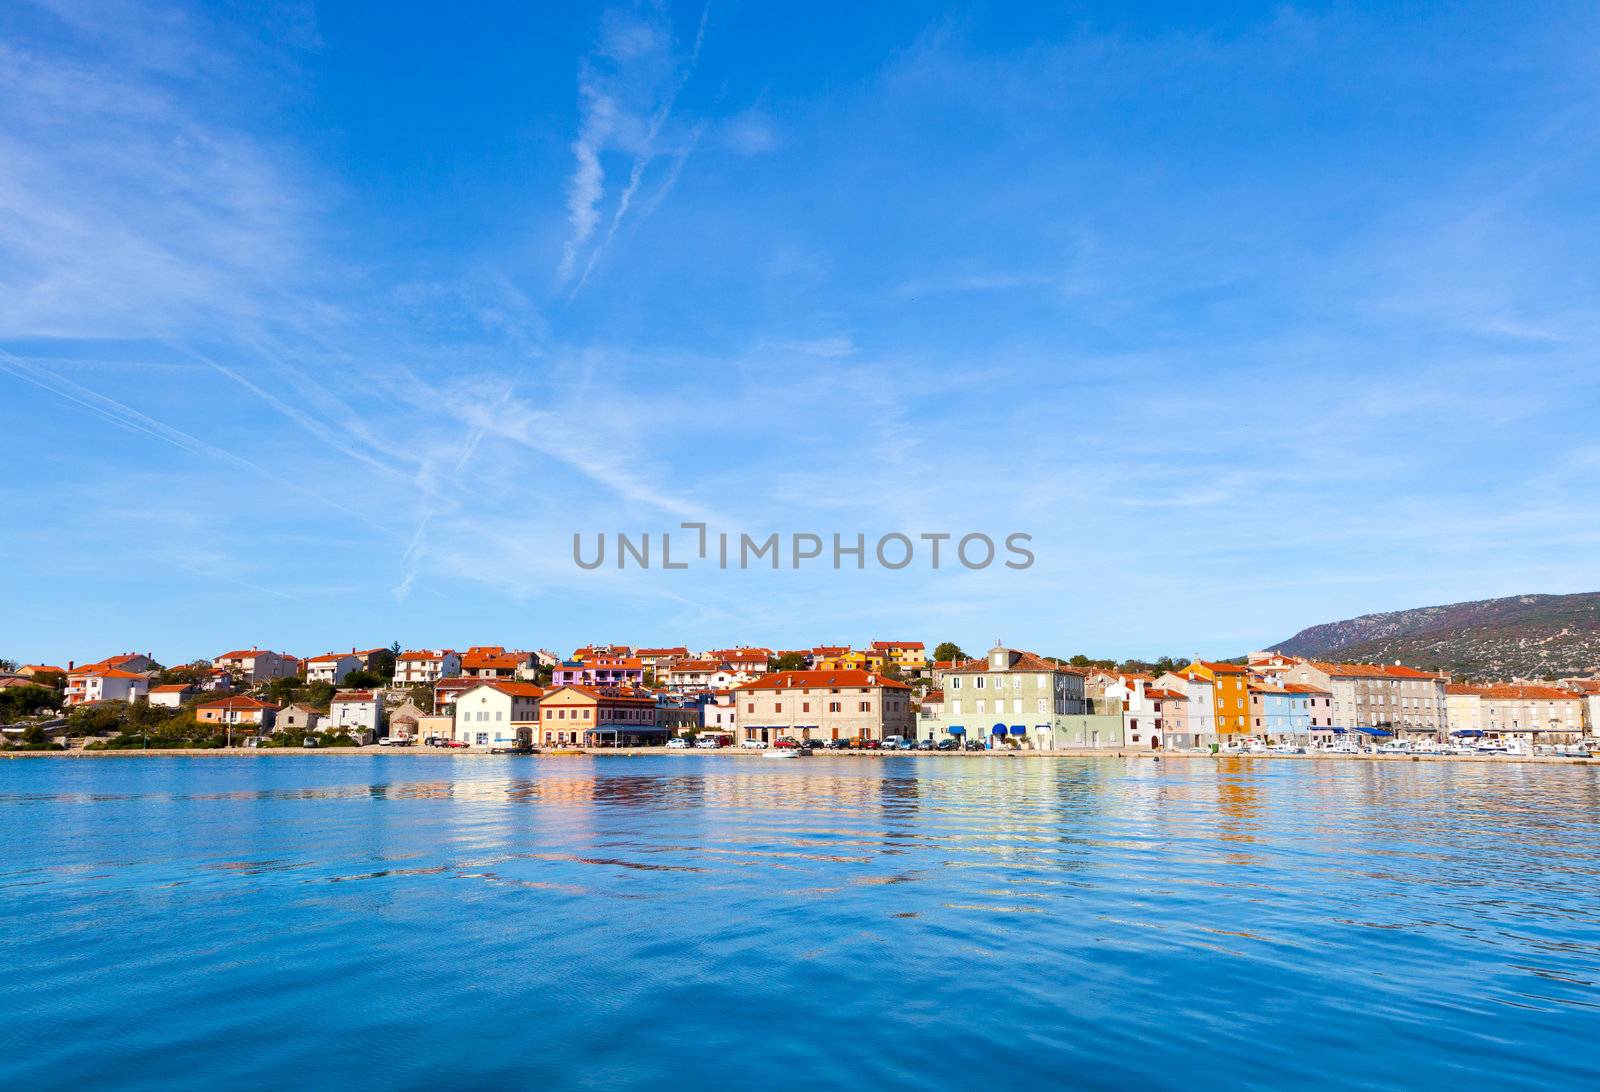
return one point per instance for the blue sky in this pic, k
(320, 329)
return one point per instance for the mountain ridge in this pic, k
(1526, 636)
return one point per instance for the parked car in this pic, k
(786, 742)
(951, 744)
(753, 744)
(838, 744)
(866, 743)
(677, 743)
(708, 743)
(309, 742)
(974, 745)
(925, 744)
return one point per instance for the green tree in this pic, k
(197, 672)
(382, 665)
(20, 701)
(790, 661)
(365, 679)
(949, 650)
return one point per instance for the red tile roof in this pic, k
(1026, 661)
(1525, 693)
(240, 702)
(688, 667)
(889, 646)
(605, 693)
(505, 686)
(790, 680)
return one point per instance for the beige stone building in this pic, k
(820, 706)
(1387, 696)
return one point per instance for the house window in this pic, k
(866, 707)
(835, 707)
(955, 682)
(978, 682)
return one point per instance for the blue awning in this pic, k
(1473, 732)
(1375, 731)
(956, 730)
(1019, 730)
(998, 730)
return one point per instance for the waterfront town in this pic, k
(884, 695)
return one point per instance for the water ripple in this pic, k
(903, 922)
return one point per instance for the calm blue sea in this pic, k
(700, 921)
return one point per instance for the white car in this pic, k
(707, 743)
(753, 744)
(677, 743)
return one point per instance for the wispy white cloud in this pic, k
(627, 91)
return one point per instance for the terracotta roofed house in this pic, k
(332, 667)
(583, 716)
(98, 683)
(238, 712)
(821, 706)
(257, 665)
(494, 662)
(426, 666)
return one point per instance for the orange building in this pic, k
(1230, 695)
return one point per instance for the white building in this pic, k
(359, 712)
(717, 714)
(695, 675)
(1200, 721)
(105, 684)
(426, 666)
(332, 667)
(172, 695)
(497, 714)
(257, 665)
(1141, 710)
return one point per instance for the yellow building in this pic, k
(908, 656)
(852, 660)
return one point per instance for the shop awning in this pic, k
(1375, 731)
(956, 730)
(998, 730)
(1019, 730)
(1472, 732)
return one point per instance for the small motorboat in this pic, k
(1286, 749)
(1394, 747)
(788, 752)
